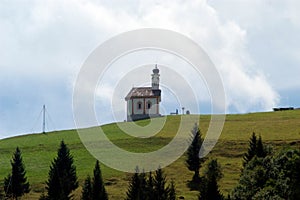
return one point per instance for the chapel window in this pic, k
(139, 105)
(149, 105)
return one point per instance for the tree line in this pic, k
(266, 174)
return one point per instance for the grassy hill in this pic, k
(276, 128)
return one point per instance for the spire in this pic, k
(155, 78)
(155, 70)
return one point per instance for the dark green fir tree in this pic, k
(193, 160)
(256, 148)
(150, 187)
(98, 188)
(161, 190)
(251, 152)
(87, 193)
(137, 189)
(209, 188)
(16, 184)
(62, 178)
(172, 191)
(260, 148)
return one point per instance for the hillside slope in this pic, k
(276, 128)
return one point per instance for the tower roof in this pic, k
(155, 70)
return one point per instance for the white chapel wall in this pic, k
(153, 103)
(137, 111)
(129, 107)
(144, 106)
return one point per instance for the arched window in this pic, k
(149, 104)
(139, 105)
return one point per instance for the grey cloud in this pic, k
(44, 43)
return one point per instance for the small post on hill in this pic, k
(44, 118)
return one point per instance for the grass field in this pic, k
(278, 129)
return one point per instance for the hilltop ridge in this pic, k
(276, 128)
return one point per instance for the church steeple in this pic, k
(155, 78)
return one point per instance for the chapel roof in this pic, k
(142, 92)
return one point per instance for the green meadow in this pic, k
(278, 129)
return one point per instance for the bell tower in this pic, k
(155, 78)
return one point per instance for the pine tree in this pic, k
(251, 152)
(260, 149)
(99, 192)
(193, 161)
(172, 191)
(137, 189)
(150, 187)
(62, 175)
(143, 186)
(16, 185)
(161, 191)
(213, 170)
(209, 188)
(87, 189)
(133, 188)
(276, 176)
(256, 148)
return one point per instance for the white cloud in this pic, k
(272, 33)
(225, 42)
(47, 41)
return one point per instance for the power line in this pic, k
(50, 119)
(36, 121)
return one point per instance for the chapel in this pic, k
(143, 102)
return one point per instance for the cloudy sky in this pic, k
(254, 45)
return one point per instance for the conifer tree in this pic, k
(62, 175)
(172, 191)
(133, 192)
(276, 176)
(150, 187)
(99, 192)
(161, 191)
(193, 161)
(260, 149)
(209, 188)
(16, 184)
(256, 148)
(143, 185)
(137, 189)
(87, 189)
(251, 152)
